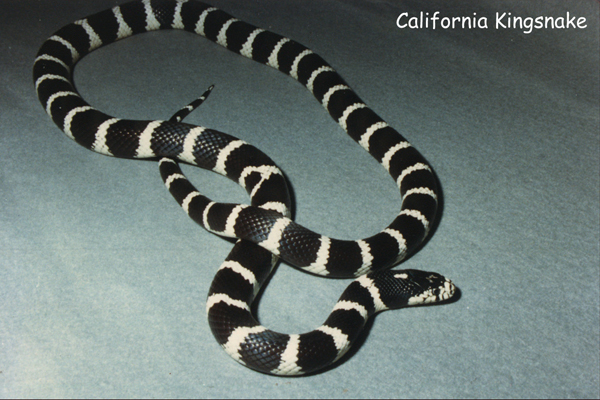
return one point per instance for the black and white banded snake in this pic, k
(264, 228)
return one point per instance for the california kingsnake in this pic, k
(264, 227)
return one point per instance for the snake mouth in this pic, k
(447, 291)
(437, 294)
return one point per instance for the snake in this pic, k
(263, 230)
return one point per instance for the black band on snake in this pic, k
(264, 228)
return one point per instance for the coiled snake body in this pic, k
(264, 228)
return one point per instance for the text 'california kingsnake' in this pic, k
(264, 228)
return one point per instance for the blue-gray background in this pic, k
(103, 278)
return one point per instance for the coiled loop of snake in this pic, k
(264, 227)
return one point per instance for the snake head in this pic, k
(412, 287)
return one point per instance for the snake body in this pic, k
(264, 227)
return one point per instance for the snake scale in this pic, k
(264, 228)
